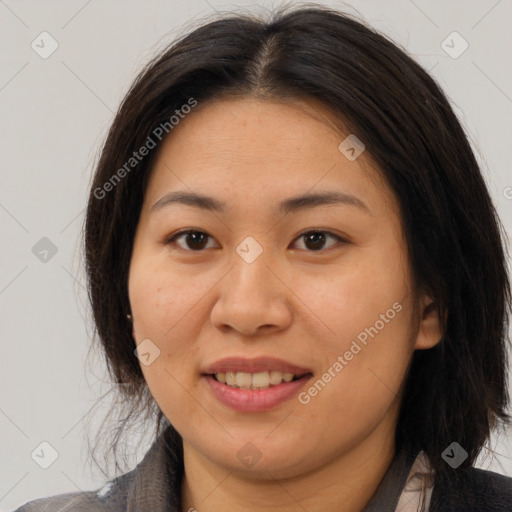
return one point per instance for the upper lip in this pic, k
(258, 364)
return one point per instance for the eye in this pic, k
(194, 240)
(315, 239)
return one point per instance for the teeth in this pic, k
(231, 379)
(260, 380)
(276, 378)
(243, 380)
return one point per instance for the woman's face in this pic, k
(283, 278)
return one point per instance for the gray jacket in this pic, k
(154, 486)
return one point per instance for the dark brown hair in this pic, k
(455, 391)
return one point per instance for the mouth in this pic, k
(255, 381)
(255, 385)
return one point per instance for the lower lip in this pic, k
(248, 400)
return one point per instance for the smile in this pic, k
(254, 385)
(254, 381)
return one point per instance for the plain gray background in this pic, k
(54, 115)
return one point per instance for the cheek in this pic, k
(367, 316)
(351, 296)
(160, 297)
(162, 305)
(166, 305)
(363, 369)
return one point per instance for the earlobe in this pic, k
(431, 327)
(130, 319)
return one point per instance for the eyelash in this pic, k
(174, 237)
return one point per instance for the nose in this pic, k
(253, 299)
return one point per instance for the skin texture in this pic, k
(295, 303)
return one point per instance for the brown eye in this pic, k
(315, 240)
(194, 240)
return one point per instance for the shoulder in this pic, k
(110, 498)
(472, 490)
(76, 501)
(155, 480)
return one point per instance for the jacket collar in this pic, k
(155, 483)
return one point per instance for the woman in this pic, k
(293, 256)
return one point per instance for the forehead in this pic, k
(246, 147)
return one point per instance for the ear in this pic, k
(430, 330)
(130, 319)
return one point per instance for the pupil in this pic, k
(317, 238)
(195, 236)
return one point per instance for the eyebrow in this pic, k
(292, 204)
